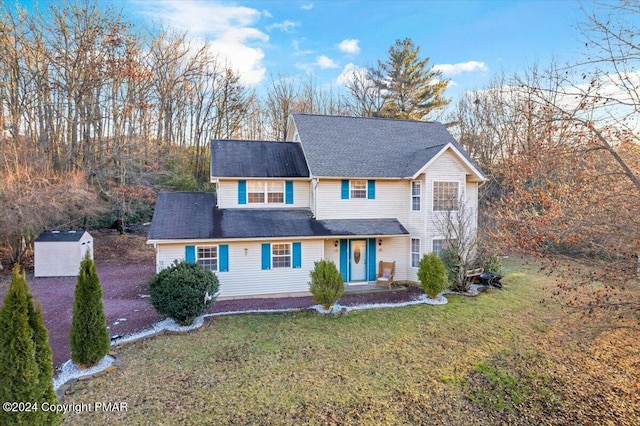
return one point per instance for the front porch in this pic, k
(372, 287)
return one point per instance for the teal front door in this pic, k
(358, 260)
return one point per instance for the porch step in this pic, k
(371, 288)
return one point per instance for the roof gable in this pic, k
(260, 159)
(372, 147)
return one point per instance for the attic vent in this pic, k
(55, 232)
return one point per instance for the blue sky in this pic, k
(470, 41)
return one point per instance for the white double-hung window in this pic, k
(260, 192)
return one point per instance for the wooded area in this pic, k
(98, 115)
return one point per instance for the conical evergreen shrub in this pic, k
(44, 359)
(326, 285)
(89, 338)
(432, 275)
(25, 377)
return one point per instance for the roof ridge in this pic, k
(367, 118)
(250, 140)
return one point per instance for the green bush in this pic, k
(490, 263)
(89, 339)
(26, 364)
(326, 285)
(432, 275)
(183, 291)
(455, 270)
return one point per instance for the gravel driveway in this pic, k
(128, 309)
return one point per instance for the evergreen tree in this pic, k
(411, 88)
(18, 366)
(89, 338)
(432, 275)
(44, 359)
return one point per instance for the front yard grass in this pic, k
(506, 357)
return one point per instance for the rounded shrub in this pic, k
(183, 291)
(432, 275)
(326, 285)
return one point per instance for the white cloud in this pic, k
(460, 67)
(349, 45)
(307, 6)
(284, 26)
(325, 62)
(231, 30)
(267, 14)
(349, 72)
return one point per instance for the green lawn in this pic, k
(501, 358)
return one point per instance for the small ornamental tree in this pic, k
(326, 285)
(183, 291)
(23, 339)
(89, 340)
(44, 359)
(432, 275)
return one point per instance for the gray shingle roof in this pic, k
(236, 158)
(193, 215)
(183, 215)
(370, 147)
(56, 236)
(364, 227)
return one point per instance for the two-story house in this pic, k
(351, 190)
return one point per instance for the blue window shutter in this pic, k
(345, 189)
(242, 192)
(297, 255)
(288, 192)
(344, 259)
(371, 189)
(266, 256)
(371, 258)
(190, 254)
(223, 253)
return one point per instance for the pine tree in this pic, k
(18, 366)
(44, 359)
(89, 335)
(411, 88)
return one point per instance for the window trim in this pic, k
(266, 191)
(433, 195)
(433, 240)
(411, 252)
(217, 256)
(290, 255)
(419, 196)
(351, 189)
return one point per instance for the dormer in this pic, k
(259, 174)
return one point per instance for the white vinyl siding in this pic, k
(227, 192)
(245, 276)
(390, 202)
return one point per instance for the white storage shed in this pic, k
(59, 253)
